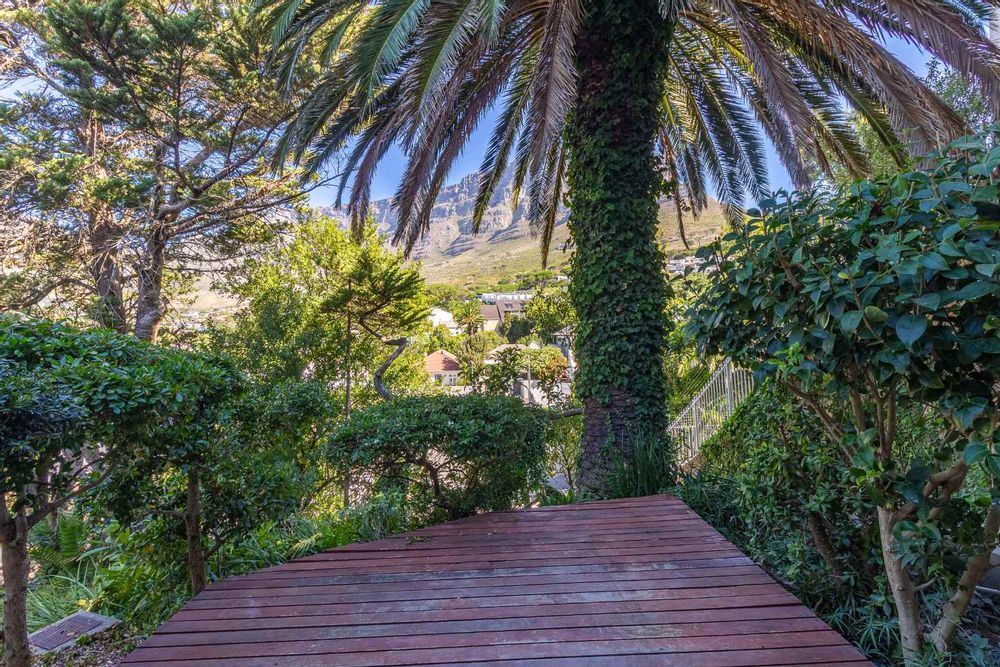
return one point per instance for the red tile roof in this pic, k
(441, 361)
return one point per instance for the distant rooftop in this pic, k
(441, 361)
(494, 297)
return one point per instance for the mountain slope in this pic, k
(505, 245)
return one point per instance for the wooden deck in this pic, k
(624, 583)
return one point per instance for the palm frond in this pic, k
(422, 75)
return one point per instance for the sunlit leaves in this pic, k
(891, 284)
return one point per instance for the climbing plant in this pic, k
(618, 286)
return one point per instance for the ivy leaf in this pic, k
(865, 458)
(876, 314)
(910, 328)
(993, 464)
(933, 260)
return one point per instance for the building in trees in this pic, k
(444, 368)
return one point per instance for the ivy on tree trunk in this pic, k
(618, 282)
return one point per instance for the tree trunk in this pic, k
(904, 593)
(347, 401)
(951, 614)
(618, 284)
(821, 538)
(192, 526)
(149, 305)
(104, 237)
(105, 270)
(16, 567)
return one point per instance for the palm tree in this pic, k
(469, 316)
(616, 102)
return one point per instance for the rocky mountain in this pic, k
(504, 247)
(451, 231)
(505, 244)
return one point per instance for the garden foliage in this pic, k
(862, 305)
(453, 456)
(74, 408)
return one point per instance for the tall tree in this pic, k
(321, 306)
(136, 156)
(664, 96)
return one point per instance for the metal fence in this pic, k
(709, 410)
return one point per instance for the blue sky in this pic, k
(388, 174)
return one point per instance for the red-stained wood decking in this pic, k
(622, 583)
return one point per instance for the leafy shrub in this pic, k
(884, 295)
(772, 486)
(453, 456)
(74, 407)
(252, 461)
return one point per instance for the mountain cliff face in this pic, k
(505, 245)
(451, 233)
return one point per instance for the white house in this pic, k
(440, 316)
(497, 297)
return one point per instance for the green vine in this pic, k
(618, 285)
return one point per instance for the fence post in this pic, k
(729, 389)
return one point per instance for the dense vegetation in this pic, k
(614, 104)
(867, 307)
(773, 486)
(146, 147)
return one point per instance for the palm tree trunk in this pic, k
(618, 284)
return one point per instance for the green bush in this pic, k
(453, 456)
(648, 470)
(863, 304)
(772, 486)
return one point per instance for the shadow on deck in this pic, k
(622, 583)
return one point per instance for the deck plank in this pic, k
(628, 583)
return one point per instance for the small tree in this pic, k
(886, 294)
(469, 316)
(320, 305)
(236, 465)
(458, 455)
(74, 407)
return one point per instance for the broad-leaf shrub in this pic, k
(253, 460)
(453, 456)
(883, 295)
(74, 407)
(769, 480)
